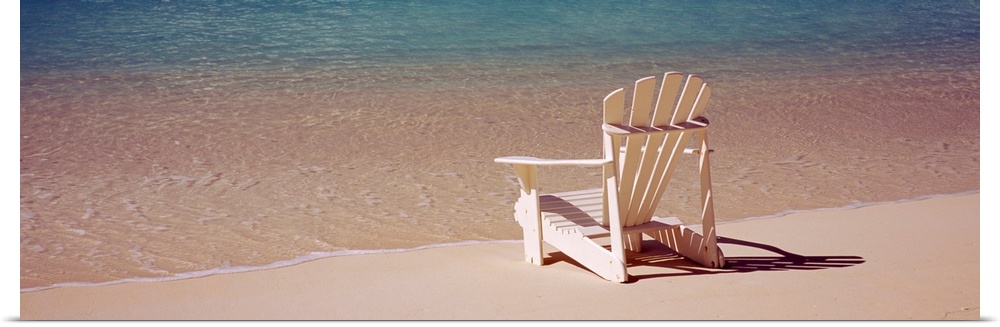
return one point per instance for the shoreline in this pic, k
(320, 255)
(882, 267)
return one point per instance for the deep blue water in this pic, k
(113, 37)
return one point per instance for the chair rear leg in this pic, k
(633, 242)
(712, 255)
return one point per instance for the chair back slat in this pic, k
(692, 104)
(614, 107)
(646, 162)
(630, 177)
(642, 101)
(647, 172)
(647, 175)
(667, 98)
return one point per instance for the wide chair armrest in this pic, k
(553, 162)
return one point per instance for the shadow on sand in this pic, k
(655, 254)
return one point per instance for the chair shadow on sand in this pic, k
(656, 255)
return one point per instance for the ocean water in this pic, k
(169, 139)
(322, 38)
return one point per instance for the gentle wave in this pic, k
(279, 264)
(312, 256)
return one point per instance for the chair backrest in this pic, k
(646, 161)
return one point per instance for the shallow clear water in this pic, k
(161, 138)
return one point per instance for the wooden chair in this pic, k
(641, 149)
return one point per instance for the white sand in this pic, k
(911, 260)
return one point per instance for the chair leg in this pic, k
(633, 242)
(527, 212)
(532, 229)
(711, 252)
(689, 244)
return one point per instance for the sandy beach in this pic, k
(895, 261)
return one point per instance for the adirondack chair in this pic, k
(596, 226)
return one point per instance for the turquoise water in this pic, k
(313, 38)
(176, 139)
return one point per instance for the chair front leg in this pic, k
(527, 212)
(612, 211)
